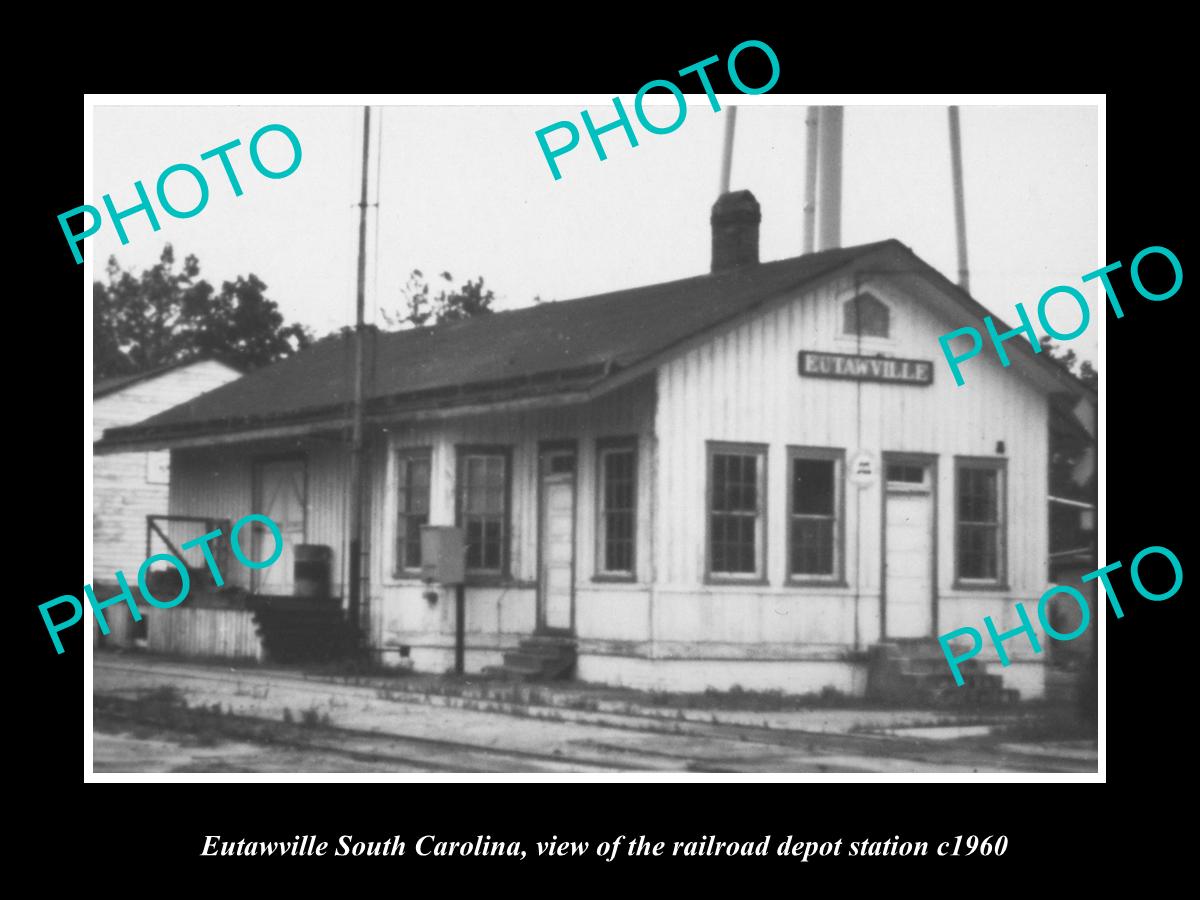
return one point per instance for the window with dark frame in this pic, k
(866, 315)
(980, 521)
(735, 516)
(617, 510)
(412, 507)
(483, 509)
(814, 509)
(903, 473)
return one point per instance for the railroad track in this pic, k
(801, 749)
(420, 753)
(128, 703)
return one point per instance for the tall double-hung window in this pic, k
(979, 521)
(484, 507)
(737, 475)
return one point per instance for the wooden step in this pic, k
(300, 629)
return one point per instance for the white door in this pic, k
(556, 580)
(909, 573)
(280, 491)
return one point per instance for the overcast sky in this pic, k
(465, 189)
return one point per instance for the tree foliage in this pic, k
(1080, 368)
(421, 306)
(167, 314)
(1066, 449)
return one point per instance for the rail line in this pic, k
(806, 747)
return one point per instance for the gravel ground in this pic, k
(162, 716)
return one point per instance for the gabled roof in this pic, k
(551, 347)
(106, 386)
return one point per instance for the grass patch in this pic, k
(1054, 724)
(164, 695)
(205, 726)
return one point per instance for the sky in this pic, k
(465, 189)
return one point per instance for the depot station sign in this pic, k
(866, 368)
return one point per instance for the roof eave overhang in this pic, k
(211, 434)
(897, 261)
(956, 305)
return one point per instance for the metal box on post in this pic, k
(312, 571)
(443, 554)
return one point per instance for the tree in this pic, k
(422, 307)
(165, 315)
(1068, 360)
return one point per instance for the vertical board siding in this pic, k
(405, 616)
(122, 494)
(744, 386)
(218, 482)
(223, 633)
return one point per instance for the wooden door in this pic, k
(280, 488)
(909, 521)
(556, 578)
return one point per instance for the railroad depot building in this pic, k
(750, 477)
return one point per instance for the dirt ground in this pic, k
(158, 715)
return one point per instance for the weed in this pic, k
(166, 694)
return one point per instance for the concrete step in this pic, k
(914, 648)
(914, 670)
(504, 673)
(549, 640)
(520, 662)
(539, 657)
(921, 666)
(546, 651)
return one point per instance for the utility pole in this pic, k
(727, 152)
(960, 212)
(356, 440)
(829, 178)
(810, 181)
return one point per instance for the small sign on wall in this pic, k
(866, 368)
(158, 467)
(864, 469)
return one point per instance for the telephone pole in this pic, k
(356, 440)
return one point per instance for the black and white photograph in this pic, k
(514, 435)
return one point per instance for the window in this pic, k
(865, 315)
(814, 514)
(736, 507)
(483, 508)
(904, 473)
(412, 507)
(980, 520)
(617, 508)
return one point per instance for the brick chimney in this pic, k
(735, 218)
